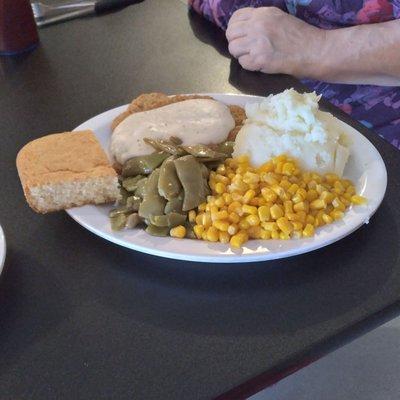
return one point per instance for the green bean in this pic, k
(189, 231)
(169, 186)
(133, 202)
(143, 164)
(139, 192)
(175, 140)
(133, 220)
(174, 205)
(171, 220)
(164, 145)
(122, 210)
(205, 171)
(130, 184)
(118, 222)
(201, 151)
(124, 194)
(191, 176)
(226, 148)
(212, 164)
(157, 230)
(153, 203)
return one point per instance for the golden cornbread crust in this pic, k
(73, 159)
(150, 101)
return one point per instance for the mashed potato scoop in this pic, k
(291, 123)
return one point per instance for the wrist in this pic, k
(314, 59)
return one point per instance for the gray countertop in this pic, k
(82, 318)
(366, 369)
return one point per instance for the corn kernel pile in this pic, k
(275, 201)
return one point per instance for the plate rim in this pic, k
(233, 256)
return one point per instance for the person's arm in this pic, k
(363, 54)
(271, 41)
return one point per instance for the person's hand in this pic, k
(269, 40)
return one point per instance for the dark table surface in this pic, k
(81, 318)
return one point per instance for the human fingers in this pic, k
(239, 47)
(248, 62)
(243, 14)
(236, 30)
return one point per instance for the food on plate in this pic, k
(193, 167)
(65, 170)
(291, 123)
(276, 200)
(158, 189)
(193, 122)
(150, 101)
(283, 181)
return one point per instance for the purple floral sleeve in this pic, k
(219, 11)
(374, 106)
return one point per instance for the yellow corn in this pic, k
(297, 225)
(254, 232)
(327, 197)
(302, 206)
(212, 234)
(275, 235)
(233, 229)
(310, 219)
(359, 200)
(192, 216)
(249, 209)
(202, 207)
(265, 235)
(274, 201)
(292, 216)
(336, 214)
(268, 194)
(249, 195)
(276, 211)
(253, 220)
(317, 204)
(250, 177)
(288, 206)
(198, 230)
(270, 226)
(327, 218)
(308, 230)
(206, 220)
(199, 219)
(224, 237)
(284, 225)
(221, 225)
(233, 217)
(220, 202)
(293, 188)
(217, 215)
(178, 232)
(238, 240)
(263, 213)
(244, 224)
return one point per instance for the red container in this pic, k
(18, 32)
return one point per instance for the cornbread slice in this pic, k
(65, 170)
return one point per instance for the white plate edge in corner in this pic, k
(94, 218)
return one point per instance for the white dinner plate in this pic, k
(2, 249)
(365, 168)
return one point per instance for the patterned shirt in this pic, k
(377, 107)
